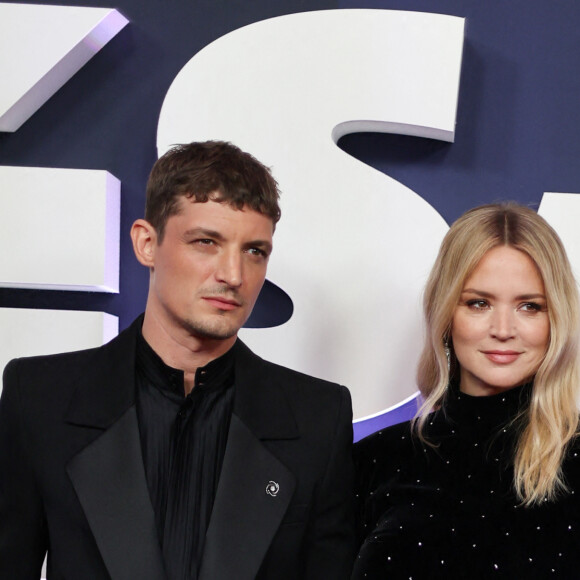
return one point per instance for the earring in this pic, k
(447, 353)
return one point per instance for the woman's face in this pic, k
(500, 327)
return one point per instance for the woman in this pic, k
(486, 485)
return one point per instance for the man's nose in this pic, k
(230, 269)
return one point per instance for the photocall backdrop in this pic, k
(382, 127)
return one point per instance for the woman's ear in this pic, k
(144, 237)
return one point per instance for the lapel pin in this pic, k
(272, 488)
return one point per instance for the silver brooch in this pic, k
(272, 488)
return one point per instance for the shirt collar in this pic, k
(218, 372)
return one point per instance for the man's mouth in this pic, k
(222, 302)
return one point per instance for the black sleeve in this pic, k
(330, 551)
(23, 539)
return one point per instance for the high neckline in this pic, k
(491, 410)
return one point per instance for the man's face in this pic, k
(208, 270)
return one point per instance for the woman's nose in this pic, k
(503, 324)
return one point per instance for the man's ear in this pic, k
(144, 237)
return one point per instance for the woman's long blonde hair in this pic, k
(551, 421)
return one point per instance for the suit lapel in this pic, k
(245, 517)
(108, 475)
(109, 479)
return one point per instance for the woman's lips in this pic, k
(502, 356)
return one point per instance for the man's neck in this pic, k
(181, 350)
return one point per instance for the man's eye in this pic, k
(257, 252)
(204, 242)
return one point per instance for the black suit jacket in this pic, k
(72, 479)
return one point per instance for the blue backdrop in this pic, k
(517, 126)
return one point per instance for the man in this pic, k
(174, 452)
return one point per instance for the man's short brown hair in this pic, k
(210, 170)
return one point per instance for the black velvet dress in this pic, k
(451, 512)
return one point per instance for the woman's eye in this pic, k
(477, 304)
(531, 307)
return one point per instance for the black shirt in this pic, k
(451, 512)
(183, 440)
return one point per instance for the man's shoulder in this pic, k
(300, 379)
(49, 363)
(64, 363)
(292, 378)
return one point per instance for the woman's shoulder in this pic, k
(571, 463)
(389, 453)
(389, 439)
